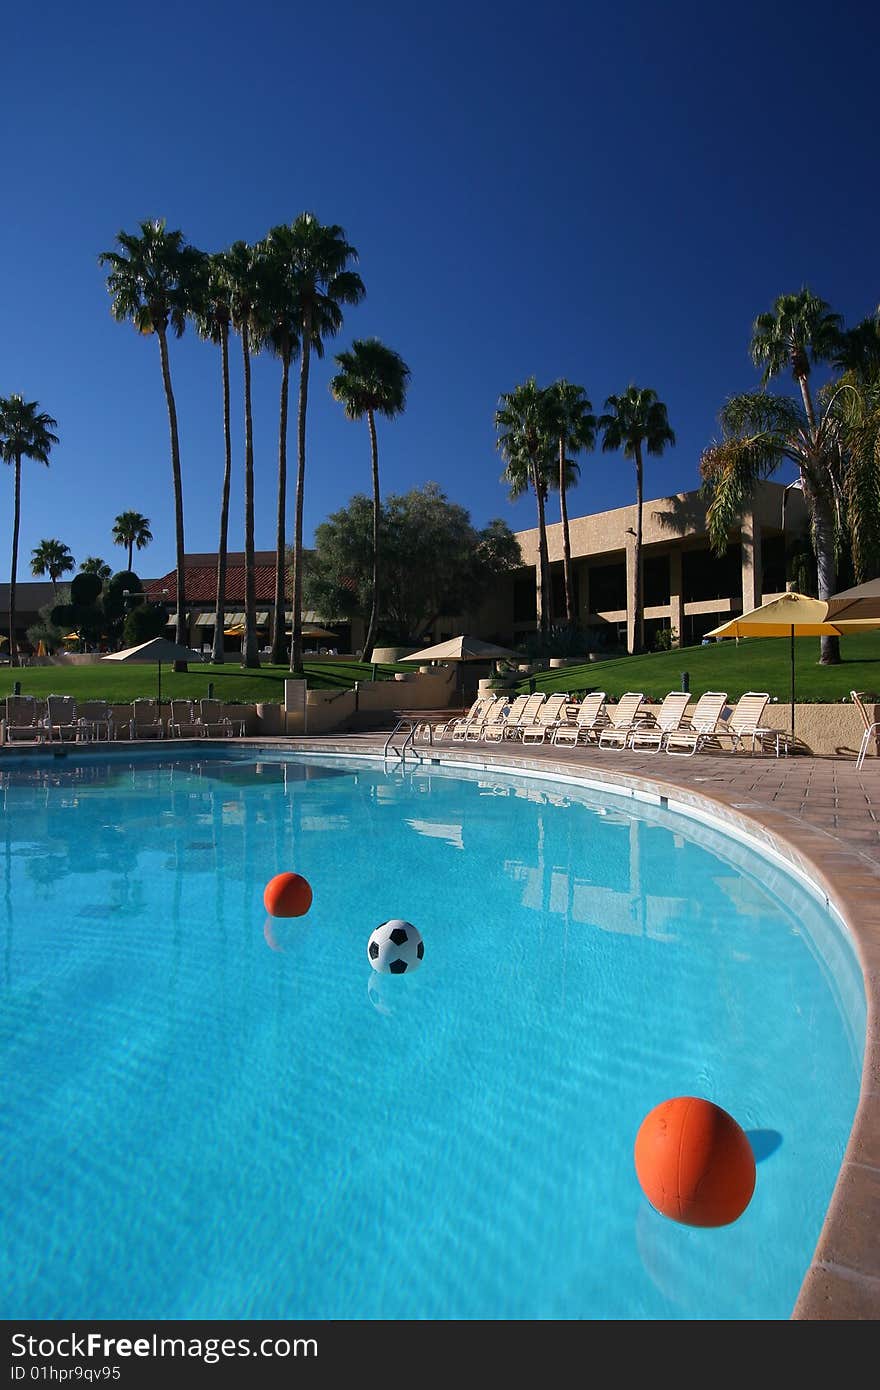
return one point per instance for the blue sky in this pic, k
(606, 193)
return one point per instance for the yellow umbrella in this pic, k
(233, 632)
(790, 615)
(41, 648)
(71, 637)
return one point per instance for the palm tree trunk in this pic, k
(542, 573)
(130, 554)
(279, 621)
(370, 640)
(566, 539)
(638, 617)
(807, 400)
(16, 519)
(296, 625)
(180, 626)
(826, 567)
(217, 656)
(250, 656)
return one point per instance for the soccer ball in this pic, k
(395, 948)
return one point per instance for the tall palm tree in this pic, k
(150, 281)
(25, 432)
(93, 564)
(527, 443)
(242, 269)
(212, 315)
(575, 429)
(372, 380)
(319, 258)
(132, 529)
(280, 335)
(636, 423)
(53, 558)
(759, 431)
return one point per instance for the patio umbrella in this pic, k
(789, 615)
(309, 630)
(462, 649)
(858, 605)
(158, 649)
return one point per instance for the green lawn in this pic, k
(121, 683)
(753, 663)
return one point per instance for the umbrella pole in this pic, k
(792, 682)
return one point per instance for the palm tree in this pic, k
(151, 278)
(280, 334)
(760, 431)
(242, 269)
(527, 443)
(53, 558)
(372, 379)
(636, 423)
(25, 432)
(321, 283)
(575, 429)
(212, 314)
(132, 529)
(93, 564)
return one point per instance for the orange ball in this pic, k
(694, 1162)
(287, 895)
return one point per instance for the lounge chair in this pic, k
(459, 727)
(213, 721)
(871, 726)
(701, 728)
(671, 716)
(623, 717)
(61, 718)
(94, 721)
(24, 719)
(550, 715)
(495, 716)
(745, 722)
(513, 725)
(146, 720)
(183, 721)
(584, 722)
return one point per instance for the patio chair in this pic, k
(513, 725)
(550, 715)
(623, 717)
(871, 726)
(24, 719)
(584, 722)
(94, 721)
(146, 720)
(61, 717)
(651, 733)
(491, 727)
(458, 728)
(744, 722)
(212, 721)
(183, 721)
(701, 728)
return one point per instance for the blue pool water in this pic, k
(208, 1114)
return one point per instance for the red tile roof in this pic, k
(201, 580)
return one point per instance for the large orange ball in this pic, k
(287, 895)
(694, 1162)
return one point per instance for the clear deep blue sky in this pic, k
(606, 193)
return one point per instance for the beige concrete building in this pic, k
(686, 587)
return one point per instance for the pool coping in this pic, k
(842, 1281)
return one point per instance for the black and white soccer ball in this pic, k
(396, 948)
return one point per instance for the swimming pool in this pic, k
(213, 1115)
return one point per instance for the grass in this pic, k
(122, 683)
(752, 663)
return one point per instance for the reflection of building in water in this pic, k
(450, 834)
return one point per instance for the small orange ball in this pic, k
(287, 895)
(694, 1162)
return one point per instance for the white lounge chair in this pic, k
(146, 720)
(651, 733)
(871, 726)
(513, 725)
(94, 721)
(549, 716)
(623, 717)
(24, 719)
(702, 727)
(491, 727)
(61, 718)
(459, 727)
(584, 722)
(213, 721)
(744, 722)
(183, 721)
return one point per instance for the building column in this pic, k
(750, 536)
(631, 593)
(676, 599)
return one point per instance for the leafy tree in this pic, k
(52, 557)
(121, 593)
(761, 431)
(210, 306)
(318, 258)
(435, 562)
(45, 631)
(574, 426)
(25, 432)
(636, 423)
(93, 564)
(144, 622)
(372, 380)
(132, 529)
(526, 441)
(82, 610)
(151, 281)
